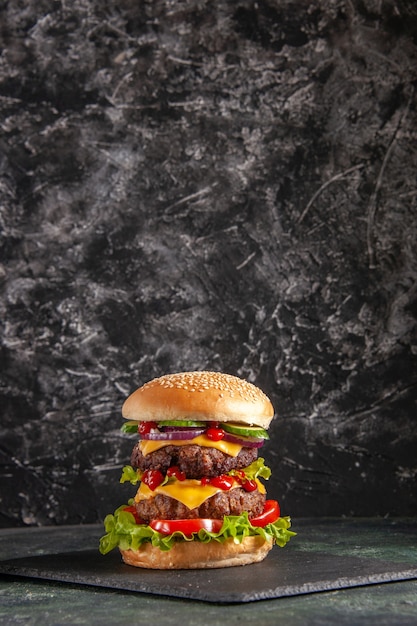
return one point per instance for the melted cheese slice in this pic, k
(232, 449)
(189, 492)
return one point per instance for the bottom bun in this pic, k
(198, 555)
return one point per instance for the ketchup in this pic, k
(223, 481)
(215, 434)
(145, 427)
(175, 471)
(152, 478)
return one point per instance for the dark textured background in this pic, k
(209, 185)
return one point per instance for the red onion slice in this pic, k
(180, 429)
(173, 433)
(247, 442)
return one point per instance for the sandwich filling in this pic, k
(196, 480)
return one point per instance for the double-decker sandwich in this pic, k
(200, 500)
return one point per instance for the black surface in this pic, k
(208, 185)
(283, 573)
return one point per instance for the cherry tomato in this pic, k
(215, 434)
(152, 478)
(186, 526)
(133, 511)
(270, 514)
(145, 427)
(175, 471)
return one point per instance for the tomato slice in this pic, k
(186, 526)
(269, 515)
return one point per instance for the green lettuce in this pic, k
(257, 469)
(122, 531)
(130, 475)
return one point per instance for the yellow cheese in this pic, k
(232, 449)
(189, 492)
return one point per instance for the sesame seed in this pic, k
(205, 380)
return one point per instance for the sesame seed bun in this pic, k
(203, 396)
(198, 555)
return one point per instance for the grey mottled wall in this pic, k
(209, 185)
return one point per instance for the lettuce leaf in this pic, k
(123, 532)
(130, 475)
(257, 469)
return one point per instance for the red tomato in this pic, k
(270, 514)
(152, 478)
(186, 526)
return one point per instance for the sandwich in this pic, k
(200, 500)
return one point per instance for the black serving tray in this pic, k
(284, 572)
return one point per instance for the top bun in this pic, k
(204, 396)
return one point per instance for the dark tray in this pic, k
(285, 572)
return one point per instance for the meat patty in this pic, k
(195, 461)
(232, 502)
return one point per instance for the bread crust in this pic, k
(198, 555)
(206, 396)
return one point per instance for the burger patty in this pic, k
(232, 502)
(195, 461)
